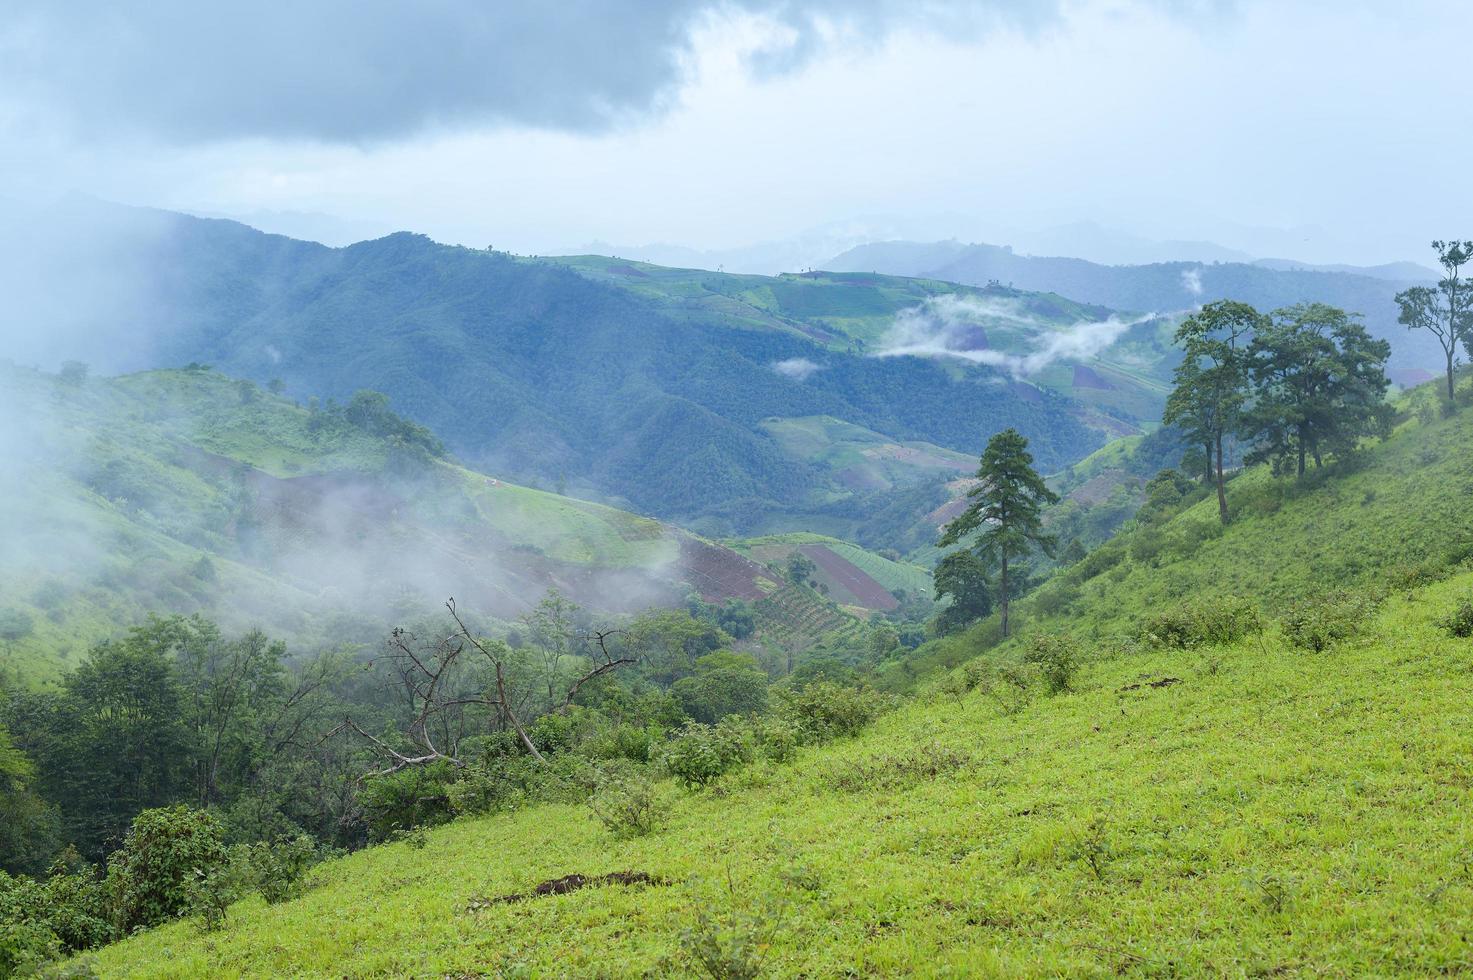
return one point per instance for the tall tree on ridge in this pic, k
(1005, 511)
(1211, 383)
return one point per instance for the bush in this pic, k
(25, 947)
(824, 710)
(1057, 658)
(1199, 622)
(1010, 685)
(698, 753)
(1319, 622)
(416, 796)
(278, 868)
(151, 879)
(628, 803)
(1459, 622)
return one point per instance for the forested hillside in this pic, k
(653, 389)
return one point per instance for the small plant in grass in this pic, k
(1057, 658)
(629, 804)
(1459, 622)
(732, 942)
(1319, 622)
(1091, 846)
(698, 754)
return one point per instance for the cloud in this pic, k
(797, 368)
(1191, 281)
(948, 326)
(357, 71)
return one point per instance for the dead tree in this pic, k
(441, 681)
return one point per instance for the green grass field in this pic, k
(1273, 813)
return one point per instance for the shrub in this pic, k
(1198, 622)
(151, 878)
(1057, 657)
(628, 803)
(824, 710)
(1459, 622)
(698, 753)
(897, 771)
(278, 868)
(1319, 622)
(1407, 577)
(416, 796)
(1008, 684)
(25, 947)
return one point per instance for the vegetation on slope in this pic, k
(1249, 808)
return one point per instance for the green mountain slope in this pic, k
(188, 491)
(1241, 807)
(644, 387)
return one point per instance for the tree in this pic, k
(962, 576)
(1446, 311)
(1212, 381)
(1319, 386)
(73, 373)
(1005, 512)
(724, 683)
(800, 568)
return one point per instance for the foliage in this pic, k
(1056, 656)
(1320, 621)
(155, 875)
(723, 684)
(698, 754)
(416, 796)
(278, 868)
(1210, 383)
(962, 577)
(1459, 621)
(1202, 621)
(1004, 513)
(1444, 311)
(824, 710)
(628, 803)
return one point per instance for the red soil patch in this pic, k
(868, 592)
(719, 574)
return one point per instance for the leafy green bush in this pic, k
(1459, 622)
(1202, 621)
(699, 753)
(1057, 657)
(1319, 622)
(416, 796)
(151, 878)
(25, 947)
(824, 710)
(628, 803)
(278, 867)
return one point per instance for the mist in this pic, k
(955, 326)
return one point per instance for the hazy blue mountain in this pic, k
(1162, 286)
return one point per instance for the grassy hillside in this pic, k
(1269, 812)
(1242, 805)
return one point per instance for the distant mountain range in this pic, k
(1161, 286)
(693, 396)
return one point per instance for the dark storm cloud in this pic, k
(367, 70)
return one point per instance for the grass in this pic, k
(1275, 812)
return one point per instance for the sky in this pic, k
(1320, 130)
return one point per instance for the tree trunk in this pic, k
(1301, 458)
(1004, 602)
(1452, 398)
(1207, 455)
(1222, 510)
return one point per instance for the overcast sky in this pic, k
(1325, 130)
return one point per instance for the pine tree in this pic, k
(1005, 512)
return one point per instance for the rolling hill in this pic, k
(1224, 800)
(647, 388)
(189, 491)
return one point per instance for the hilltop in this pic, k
(1221, 796)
